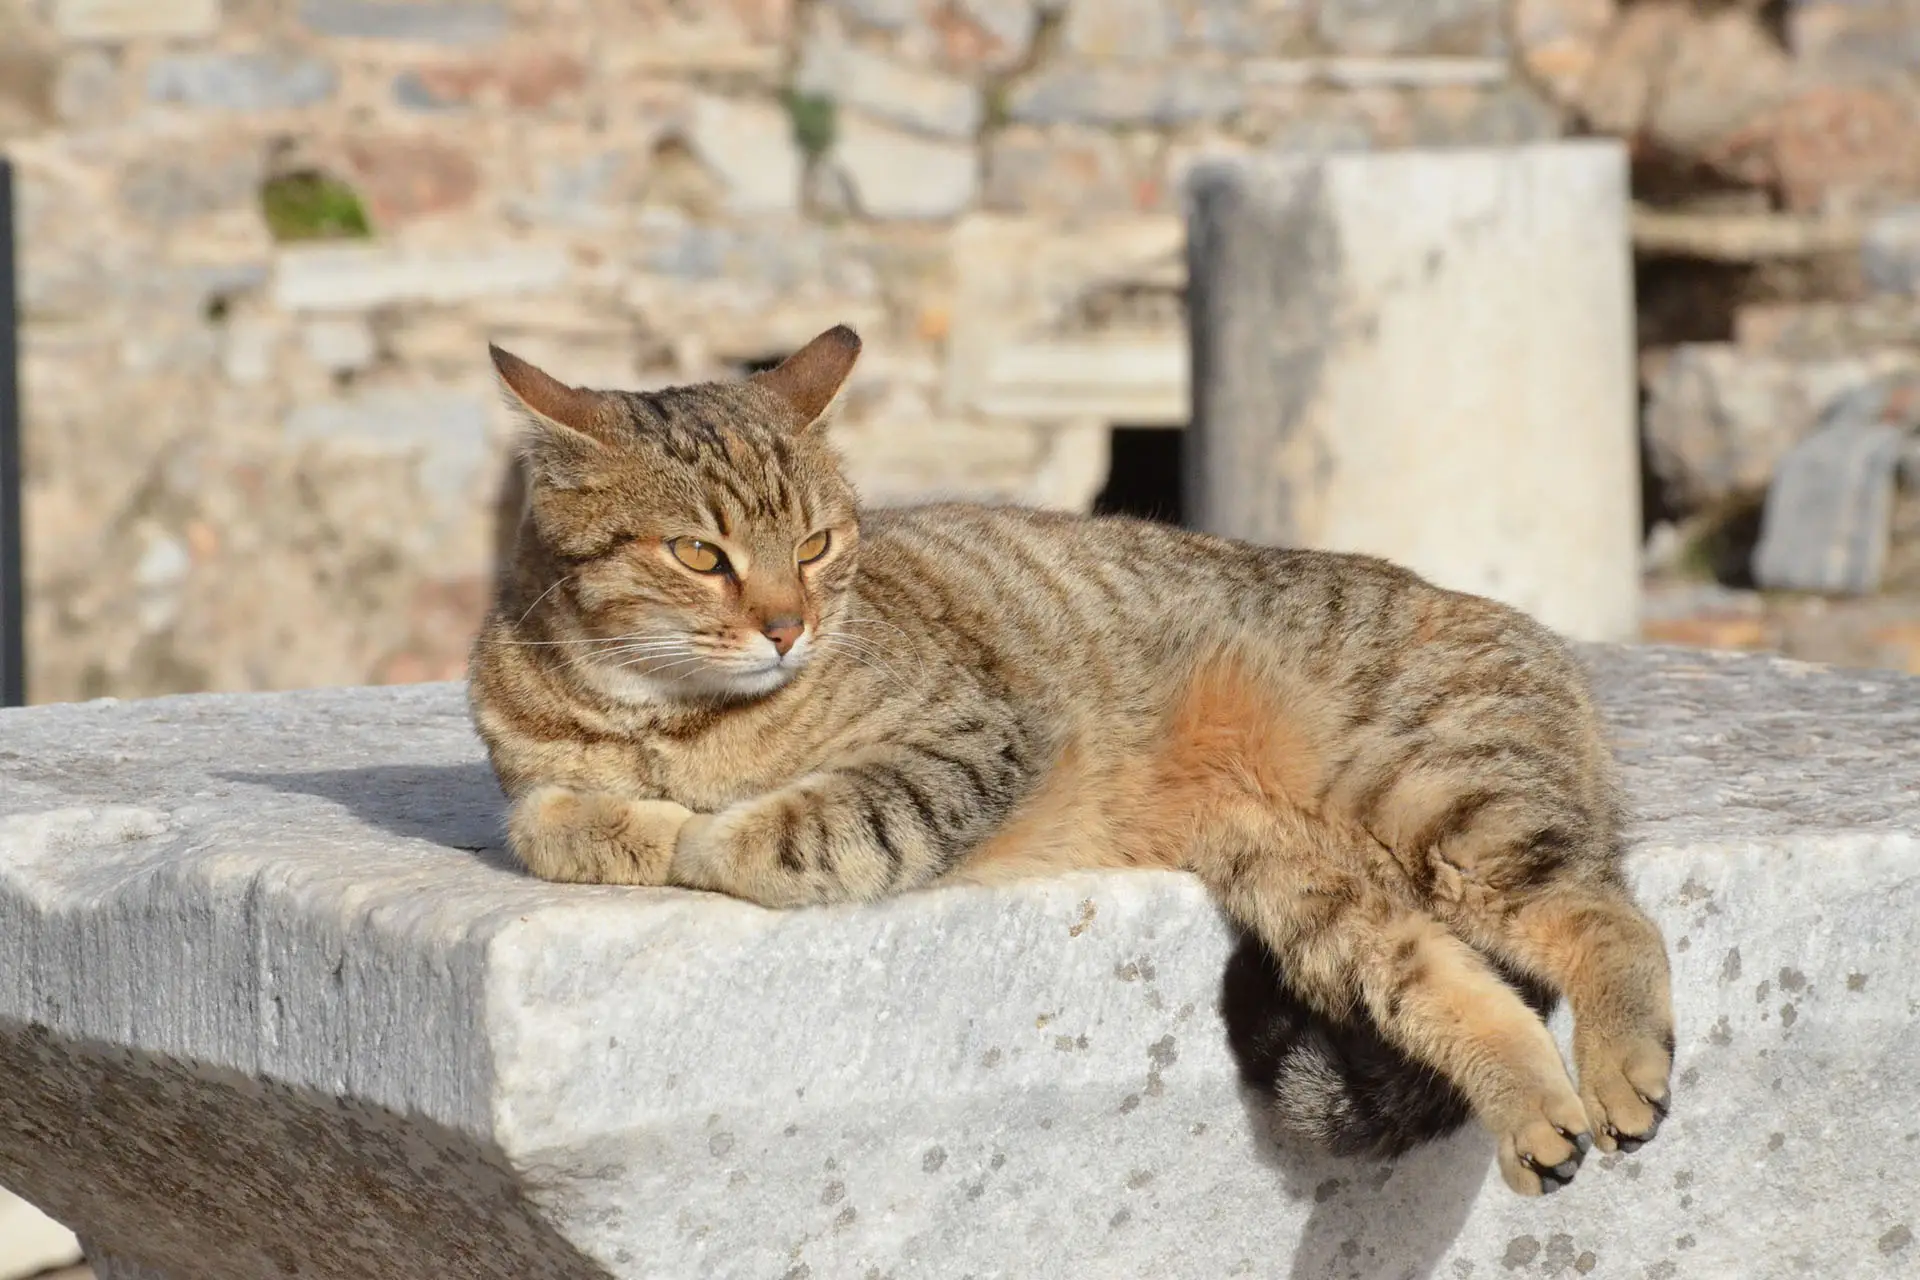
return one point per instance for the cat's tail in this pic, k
(1338, 1083)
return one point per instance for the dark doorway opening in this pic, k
(1143, 478)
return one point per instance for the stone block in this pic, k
(890, 91)
(453, 22)
(749, 147)
(361, 277)
(1060, 320)
(891, 173)
(1119, 30)
(448, 431)
(1378, 27)
(273, 999)
(342, 345)
(965, 34)
(173, 185)
(1375, 334)
(1890, 252)
(1084, 171)
(1163, 97)
(403, 178)
(241, 81)
(135, 19)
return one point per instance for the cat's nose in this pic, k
(783, 632)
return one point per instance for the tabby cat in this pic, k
(708, 667)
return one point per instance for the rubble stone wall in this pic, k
(263, 446)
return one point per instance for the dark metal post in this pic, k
(13, 611)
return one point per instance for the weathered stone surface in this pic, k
(1119, 30)
(133, 19)
(1841, 144)
(438, 22)
(272, 998)
(355, 277)
(448, 432)
(1086, 171)
(1559, 40)
(1162, 97)
(749, 147)
(1890, 252)
(1411, 26)
(1357, 435)
(399, 179)
(241, 81)
(894, 174)
(530, 79)
(912, 97)
(167, 189)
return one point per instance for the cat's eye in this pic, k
(813, 548)
(701, 557)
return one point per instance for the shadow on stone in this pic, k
(1358, 1223)
(456, 806)
(210, 1174)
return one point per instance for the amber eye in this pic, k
(701, 557)
(815, 547)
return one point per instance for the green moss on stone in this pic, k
(313, 206)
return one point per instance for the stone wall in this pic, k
(258, 459)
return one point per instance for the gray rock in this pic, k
(439, 22)
(1827, 522)
(273, 999)
(891, 91)
(171, 187)
(893, 174)
(1119, 31)
(1412, 26)
(447, 431)
(1163, 97)
(1827, 519)
(1720, 418)
(241, 81)
(1890, 252)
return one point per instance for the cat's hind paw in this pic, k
(1624, 1086)
(1542, 1151)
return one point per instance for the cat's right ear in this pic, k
(564, 425)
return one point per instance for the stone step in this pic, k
(273, 1000)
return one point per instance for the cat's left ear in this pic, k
(810, 378)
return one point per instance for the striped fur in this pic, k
(1402, 792)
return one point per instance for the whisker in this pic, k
(875, 648)
(542, 596)
(864, 658)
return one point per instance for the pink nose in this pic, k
(784, 632)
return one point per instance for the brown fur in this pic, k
(1397, 788)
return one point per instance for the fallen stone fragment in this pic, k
(1826, 526)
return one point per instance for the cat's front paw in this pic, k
(595, 837)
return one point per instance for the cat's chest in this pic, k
(717, 770)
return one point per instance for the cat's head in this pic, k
(696, 542)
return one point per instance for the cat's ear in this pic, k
(566, 427)
(811, 377)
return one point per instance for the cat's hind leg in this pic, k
(1592, 941)
(1346, 941)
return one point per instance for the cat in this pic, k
(708, 667)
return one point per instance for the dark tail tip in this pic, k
(1336, 1083)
